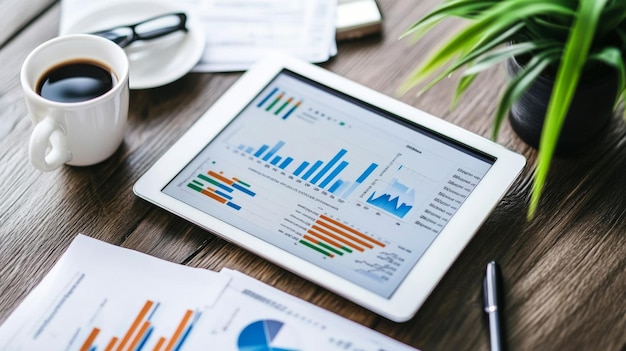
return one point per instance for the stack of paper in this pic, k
(103, 297)
(240, 32)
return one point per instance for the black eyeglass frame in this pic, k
(126, 39)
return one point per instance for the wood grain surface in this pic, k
(564, 272)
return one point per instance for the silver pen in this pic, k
(493, 305)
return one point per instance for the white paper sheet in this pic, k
(100, 295)
(249, 306)
(96, 290)
(240, 32)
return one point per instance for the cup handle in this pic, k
(48, 149)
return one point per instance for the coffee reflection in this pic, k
(75, 81)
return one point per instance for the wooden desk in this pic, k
(565, 272)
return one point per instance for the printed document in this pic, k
(100, 296)
(238, 33)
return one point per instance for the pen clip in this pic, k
(490, 288)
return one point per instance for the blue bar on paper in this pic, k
(156, 307)
(144, 339)
(187, 331)
(367, 172)
(285, 163)
(275, 161)
(316, 165)
(261, 151)
(330, 165)
(335, 186)
(273, 151)
(241, 147)
(267, 97)
(249, 150)
(301, 168)
(333, 174)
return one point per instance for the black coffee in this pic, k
(75, 81)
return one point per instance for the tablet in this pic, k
(353, 190)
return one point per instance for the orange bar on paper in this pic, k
(133, 327)
(111, 344)
(179, 330)
(160, 343)
(139, 336)
(90, 339)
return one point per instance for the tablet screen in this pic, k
(342, 184)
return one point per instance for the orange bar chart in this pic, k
(331, 237)
(90, 339)
(139, 333)
(326, 219)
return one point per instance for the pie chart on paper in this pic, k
(267, 335)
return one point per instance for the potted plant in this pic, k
(556, 44)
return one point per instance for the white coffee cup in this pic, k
(75, 133)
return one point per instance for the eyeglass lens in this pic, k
(145, 30)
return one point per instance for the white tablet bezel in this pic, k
(433, 264)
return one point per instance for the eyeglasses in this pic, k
(145, 30)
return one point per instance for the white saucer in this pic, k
(152, 63)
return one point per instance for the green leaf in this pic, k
(496, 20)
(480, 49)
(497, 56)
(488, 61)
(459, 8)
(566, 81)
(613, 14)
(464, 83)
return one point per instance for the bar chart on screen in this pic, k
(335, 174)
(330, 237)
(279, 103)
(218, 187)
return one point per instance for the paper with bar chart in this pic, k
(334, 181)
(102, 297)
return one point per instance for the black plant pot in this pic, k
(589, 113)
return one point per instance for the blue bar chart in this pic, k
(325, 174)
